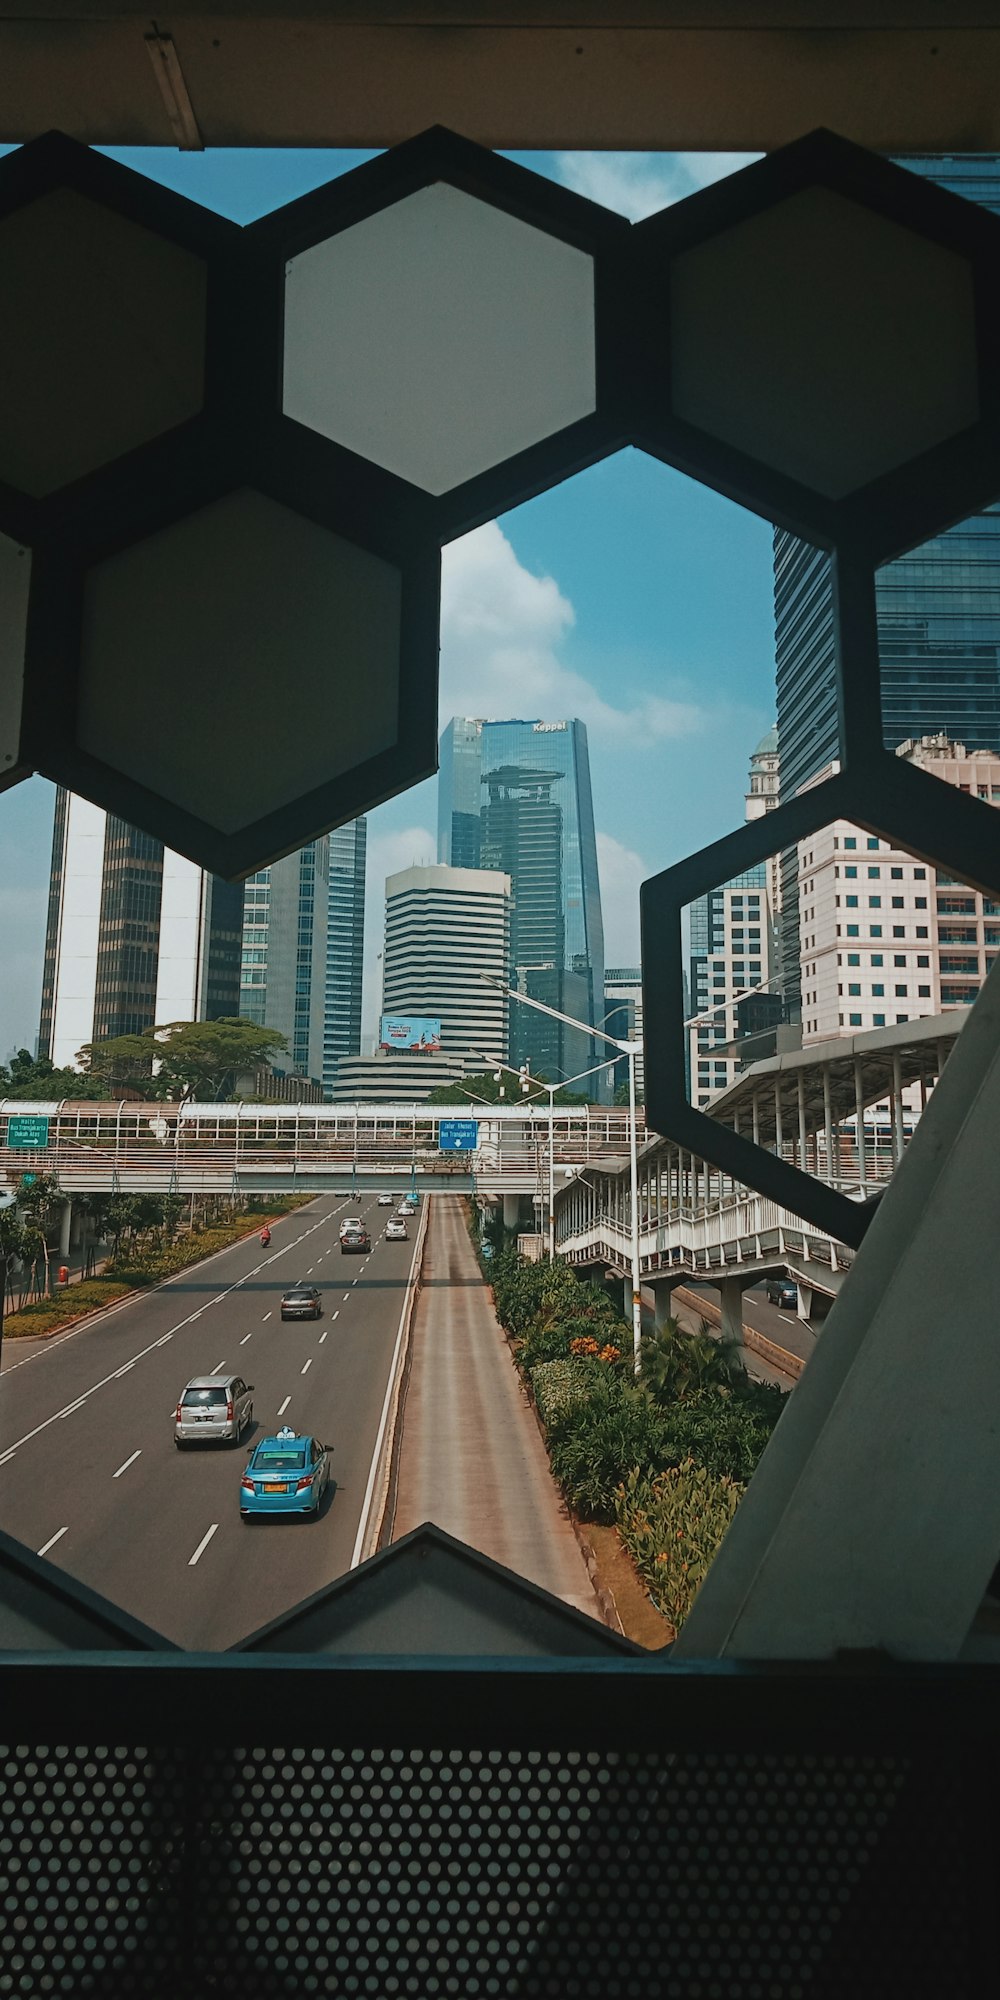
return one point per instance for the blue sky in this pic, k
(629, 595)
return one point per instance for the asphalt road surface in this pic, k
(471, 1456)
(90, 1476)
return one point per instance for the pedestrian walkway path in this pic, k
(471, 1456)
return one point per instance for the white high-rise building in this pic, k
(885, 938)
(444, 928)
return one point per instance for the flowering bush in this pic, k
(672, 1525)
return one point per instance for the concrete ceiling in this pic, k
(674, 74)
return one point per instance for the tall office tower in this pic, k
(444, 929)
(515, 796)
(938, 620)
(283, 981)
(623, 1018)
(135, 936)
(732, 946)
(345, 944)
(885, 938)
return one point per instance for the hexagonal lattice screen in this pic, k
(211, 612)
(439, 336)
(819, 290)
(102, 329)
(15, 573)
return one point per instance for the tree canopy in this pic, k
(201, 1059)
(30, 1079)
(505, 1089)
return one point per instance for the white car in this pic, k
(395, 1230)
(385, 1201)
(351, 1222)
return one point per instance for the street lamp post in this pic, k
(540, 1084)
(631, 1050)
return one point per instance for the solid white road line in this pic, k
(70, 1407)
(306, 1366)
(50, 1544)
(284, 1406)
(246, 1337)
(202, 1546)
(128, 1462)
(376, 1454)
(4, 1456)
(164, 1337)
(124, 1371)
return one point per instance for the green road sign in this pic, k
(32, 1131)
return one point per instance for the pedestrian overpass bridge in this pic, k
(300, 1148)
(844, 1109)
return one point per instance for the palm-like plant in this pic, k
(676, 1365)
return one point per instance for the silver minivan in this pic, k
(213, 1407)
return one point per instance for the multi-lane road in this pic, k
(89, 1474)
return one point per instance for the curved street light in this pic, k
(631, 1050)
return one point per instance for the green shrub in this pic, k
(726, 1435)
(597, 1443)
(672, 1526)
(559, 1388)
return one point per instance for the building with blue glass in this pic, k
(515, 796)
(283, 977)
(938, 624)
(345, 947)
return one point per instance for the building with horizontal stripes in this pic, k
(447, 936)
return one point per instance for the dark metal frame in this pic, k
(876, 790)
(439, 155)
(243, 439)
(904, 506)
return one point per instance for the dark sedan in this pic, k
(302, 1302)
(355, 1239)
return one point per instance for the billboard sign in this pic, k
(410, 1031)
(32, 1131)
(458, 1135)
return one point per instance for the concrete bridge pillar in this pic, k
(731, 1302)
(663, 1298)
(65, 1225)
(805, 1300)
(512, 1211)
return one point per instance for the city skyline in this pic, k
(630, 597)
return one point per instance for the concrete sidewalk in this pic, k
(471, 1455)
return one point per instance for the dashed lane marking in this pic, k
(284, 1406)
(202, 1546)
(53, 1539)
(128, 1462)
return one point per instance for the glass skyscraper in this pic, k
(515, 795)
(938, 621)
(345, 946)
(283, 979)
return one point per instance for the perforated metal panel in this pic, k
(91, 1865)
(430, 1873)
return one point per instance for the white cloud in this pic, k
(387, 853)
(501, 632)
(638, 184)
(621, 871)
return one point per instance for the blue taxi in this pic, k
(285, 1474)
